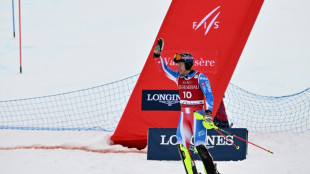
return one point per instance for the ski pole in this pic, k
(237, 147)
(212, 126)
(244, 140)
(13, 18)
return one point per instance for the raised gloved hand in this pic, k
(159, 47)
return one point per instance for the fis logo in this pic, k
(208, 22)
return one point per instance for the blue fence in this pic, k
(100, 108)
(266, 113)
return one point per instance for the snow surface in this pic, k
(91, 153)
(75, 44)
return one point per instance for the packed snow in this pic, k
(74, 44)
(90, 152)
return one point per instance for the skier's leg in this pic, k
(200, 133)
(206, 159)
(184, 134)
(188, 163)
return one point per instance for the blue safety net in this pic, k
(101, 107)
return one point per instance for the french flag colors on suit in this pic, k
(215, 33)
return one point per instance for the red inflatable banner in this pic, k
(215, 33)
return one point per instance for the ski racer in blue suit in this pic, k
(195, 91)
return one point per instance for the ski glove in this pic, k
(158, 48)
(208, 116)
(205, 123)
(208, 120)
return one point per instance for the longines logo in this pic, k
(169, 102)
(160, 100)
(208, 24)
(162, 144)
(213, 140)
(168, 99)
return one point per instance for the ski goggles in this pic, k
(177, 56)
(183, 56)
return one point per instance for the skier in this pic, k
(193, 86)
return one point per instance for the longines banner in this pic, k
(162, 145)
(160, 100)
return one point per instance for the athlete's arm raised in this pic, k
(162, 66)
